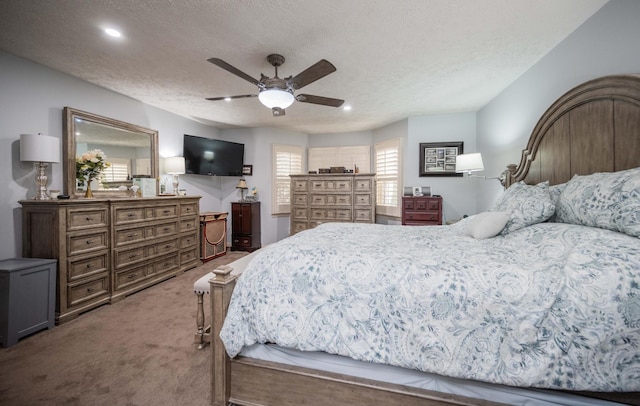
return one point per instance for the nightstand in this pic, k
(422, 211)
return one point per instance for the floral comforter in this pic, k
(551, 305)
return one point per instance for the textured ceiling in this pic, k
(394, 59)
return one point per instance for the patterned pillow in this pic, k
(609, 200)
(554, 192)
(527, 205)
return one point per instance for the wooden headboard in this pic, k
(594, 127)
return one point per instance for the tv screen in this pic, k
(206, 156)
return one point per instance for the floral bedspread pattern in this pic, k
(550, 305)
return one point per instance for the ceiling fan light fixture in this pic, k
(276, 98)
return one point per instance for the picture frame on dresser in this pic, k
(439, 158)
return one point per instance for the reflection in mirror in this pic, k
(130, 150)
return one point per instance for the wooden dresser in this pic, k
(317, 199)
(109, 248)
(422, 211)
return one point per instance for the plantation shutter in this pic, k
(287, 160)
(388, 177)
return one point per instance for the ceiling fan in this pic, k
(278, 94)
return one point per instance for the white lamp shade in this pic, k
(39, 148)
(276, 98)
(469, 163)
(174, 165)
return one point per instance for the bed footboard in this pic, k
(222, 286)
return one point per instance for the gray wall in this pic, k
(606, 44)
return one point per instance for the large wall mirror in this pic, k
(131, 151)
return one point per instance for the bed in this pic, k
(534, 302)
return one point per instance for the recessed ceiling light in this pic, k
(346, 108)
(113, 33)
(227, 99)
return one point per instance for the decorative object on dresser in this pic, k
(110, 248)
(213, 235)
(439, 158)
(27, 293)
(41, 150)
(422, 211)
(174, 166)
(245, 226)
(317, 199)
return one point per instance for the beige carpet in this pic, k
(138, 351)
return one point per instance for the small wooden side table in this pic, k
(27, 297)
(213, 235)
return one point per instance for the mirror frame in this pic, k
(69, 150)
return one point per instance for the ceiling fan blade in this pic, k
(325, 101)
(311, 74)
(234, 70)
(242, 96)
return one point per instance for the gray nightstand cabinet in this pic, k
(27, 297)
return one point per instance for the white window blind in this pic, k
(287, 160)
(388, 177)
(327, 157)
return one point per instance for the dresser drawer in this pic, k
(188, 255)
(331, 200)
(331, 185)
(129, 277)
(299, 213)
(188, 240)
(421, 216)
(163, 230)
(189, 224)
(128, 215)
(83, 243)
(89, 291)
(162, 248)
(81, 218)
(84, 267)
(130, 235)
(126, 257)
(164, 212)
(188, 209)
(242, 241)
(421, 204)
(331, 214)
(363, 215)
(363, 200)
(300, 185)
(300, 200)
(298, 226)
(169, 264)
(364, 185)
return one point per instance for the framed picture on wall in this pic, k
(439, 158)
(247, 170)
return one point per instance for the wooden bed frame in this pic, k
(594, 127)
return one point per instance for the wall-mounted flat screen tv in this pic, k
(206, 156)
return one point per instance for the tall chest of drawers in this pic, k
(109, 248)
(317, 199)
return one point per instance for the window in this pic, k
(287, 160)
(341, 156)
(388, 177)
(117, 171)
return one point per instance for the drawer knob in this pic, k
(89, 290)
(89, 218)
(132, 235)
(130, 215)
(131, 276)
(89, 266)
(167, 211)
(133, 255)
(89, 242)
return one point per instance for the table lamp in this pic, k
(41, 150)
(242, 185)
(174, 166)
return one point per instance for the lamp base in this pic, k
(175, 184)
(41, 181)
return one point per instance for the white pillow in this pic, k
(486, 225)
